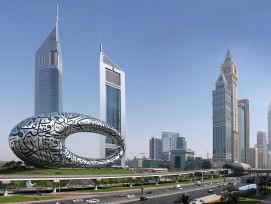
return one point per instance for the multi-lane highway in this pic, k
(154, 195)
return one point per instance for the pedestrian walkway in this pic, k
(210, 198)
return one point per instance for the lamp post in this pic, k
(224, 175)
(142, 188)
(194, 186)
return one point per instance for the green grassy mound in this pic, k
(23, 170)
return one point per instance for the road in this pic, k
(158, 195)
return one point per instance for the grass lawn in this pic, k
(16, 199)
(36, 171)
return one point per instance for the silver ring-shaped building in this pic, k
(40, 140)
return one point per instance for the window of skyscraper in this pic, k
(112, 77)
(54, 57)
(113, 111)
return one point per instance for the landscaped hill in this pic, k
(23, 170)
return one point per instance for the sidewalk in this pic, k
(210, 198)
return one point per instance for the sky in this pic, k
(171, 52)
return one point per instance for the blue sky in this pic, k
(171, 52)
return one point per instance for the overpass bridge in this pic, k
(7, 178)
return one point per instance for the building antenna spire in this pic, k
(101, 44)
(57, 21)
(56, 13)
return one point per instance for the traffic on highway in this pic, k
(151, 195)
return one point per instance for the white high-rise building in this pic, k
(262, 149)
(230, 71)
(253, 157)
(112, 102)
(49, 74)
(222, 122)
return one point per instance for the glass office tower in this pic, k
(155, 146)
(222, 122)
(169, 142)
(48, 74)
(112, 102)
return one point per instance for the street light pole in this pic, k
(194, 186)
(142, 188)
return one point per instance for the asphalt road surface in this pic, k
(155, 196)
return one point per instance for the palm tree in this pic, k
(184, 199)
(229, 196)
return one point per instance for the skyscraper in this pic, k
(262, 149)
(155, 148)
(269, 136)
(222, 122)
(48, 74)
(269, 124)
(253, 157)
(181, 143)
(243, 129)
(112, 102)
(230, 72)
(169, 142)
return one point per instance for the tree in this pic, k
(9, 164)
(184, 199)
(230, 196)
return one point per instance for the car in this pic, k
(197, 201)
(131, 196)
(77, 200)
(205, 185)
(149, 192)
(142, 198)
(94, 200)
(210, 190)
(219, 186)
(123, 195)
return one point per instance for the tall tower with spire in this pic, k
(230, 71)
(222, 122)
(48, 74)
(112, 102)
(269, 124)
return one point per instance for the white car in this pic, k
(197, 202)
(94, 200)
(210, 190)
(131, 196)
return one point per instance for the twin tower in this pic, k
(49, 88)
